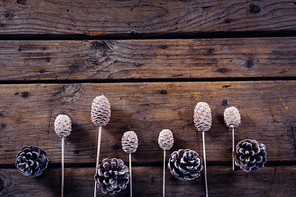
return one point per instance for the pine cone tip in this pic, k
(232, 117)
(62, 125)
(166, 139)
(100, 111)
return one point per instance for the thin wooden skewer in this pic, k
(232, 145)
(98, 156)
(163, 181)
(63, 167)
(204, 153)
(130, 167)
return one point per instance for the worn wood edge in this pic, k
(28, 112)
(110, 60)
(131, 17)
(147, 181)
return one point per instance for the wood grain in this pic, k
(147, 181)
(28, 112)
(148, 59)
(132, 17)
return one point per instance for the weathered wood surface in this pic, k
(131, 17)
(146, 59)
(28, 112)
(147, 181)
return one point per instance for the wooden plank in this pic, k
(147, 181)
(28, 112)
(131, 17)
(146, 59)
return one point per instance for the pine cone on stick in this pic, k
(232, 117)
(250, 155)
(185, 165)
(129, 142)
(62, 125)
(112, 176)
(31, 161)
(166, 139)
(202, 116)
(100, 111)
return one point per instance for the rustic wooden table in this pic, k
(154, 60)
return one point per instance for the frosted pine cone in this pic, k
(185, 165)
(250, 155)
(166, 139)
(112, 176)
(62, 125)
(232, 117)
(100, 111)
(31, 161)
(202, 116)
(129, 142)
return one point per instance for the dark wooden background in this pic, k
(154, 60)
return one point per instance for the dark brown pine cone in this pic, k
(100, 111)
(112, 176)
(31, 161)
(185, 165)
(250, 155)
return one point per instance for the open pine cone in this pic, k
(232, 117)
(112, 176)
(129, 142)
(31, 161)
(250, 155)
(62, 125)
(166, 139)
(100, 111)
(185, 165)
(202, 116)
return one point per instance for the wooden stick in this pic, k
(130, 167)
(98, 156)
(63, 167)
(205, 162)
(163, 181)
(232, 145)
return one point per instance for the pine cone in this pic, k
(62, 125)
(31, 161)
(185, 164)
(166, 139)
(100, 111)
(232, 117)
(250, 155)
(112, 176)
(129, 142)
(202, 116)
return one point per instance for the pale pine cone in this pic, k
(62, 125)
(166, 139)
(185, 165)
(232, 117)
(202, 116)
(31, 161)
(100, 111)
(129, 142)
(250, 155)
(112, 176)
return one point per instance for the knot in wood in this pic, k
(254, 8)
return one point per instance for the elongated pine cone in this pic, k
(202, 116)
(185, 165)
(112, 176)
(62, 125)
(100, 111)
(129, 142)
(250, 155)
(232, 117)
(31, 161)
(166, 139)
